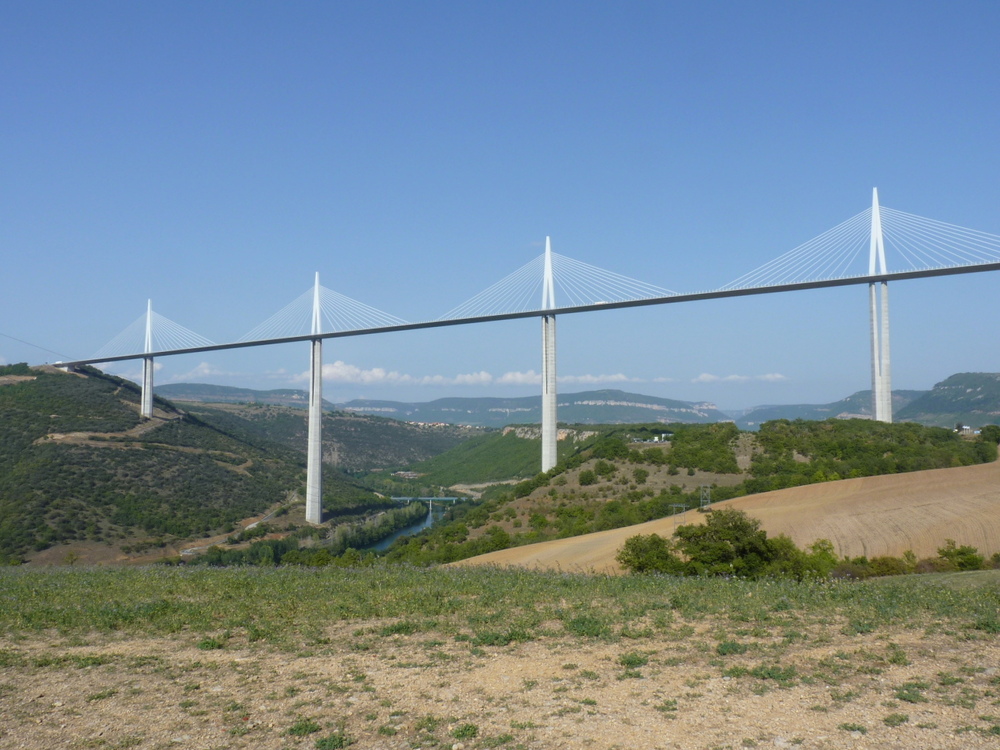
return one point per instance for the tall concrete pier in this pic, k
(314, 449)
(146, 400)
(549, 422)
(878, 303)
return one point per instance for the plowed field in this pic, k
(883, 515)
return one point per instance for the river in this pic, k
(433, 515)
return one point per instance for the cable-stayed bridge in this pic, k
(553, 284)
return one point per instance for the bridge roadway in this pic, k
(671, 299)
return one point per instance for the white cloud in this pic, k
(203, 370)
(520, 378)
(344, 373)
(707, 377)
(130, 370)
(596, 379)
(474, 378)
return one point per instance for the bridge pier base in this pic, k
(146, 399)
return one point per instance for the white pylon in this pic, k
(549, 422)
(314, 448)
(146, 398)
(878, 302)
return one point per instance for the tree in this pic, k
(990, 433)
(649, 554)
(965, 557)
(729, 543)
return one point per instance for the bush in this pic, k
(935, 565)
(963, 558)
(729, 543)
(649, 554)
(887, 566)
(604, 469)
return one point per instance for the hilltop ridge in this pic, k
(970, 398)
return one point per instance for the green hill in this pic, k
(514, 453)
(225, 394)
(858, 405)
(613, 481)
(78, 464)
(351, 442)
(969, 398)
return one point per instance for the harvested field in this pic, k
(871, 516)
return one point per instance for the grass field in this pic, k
(481, 658)
(290, 607)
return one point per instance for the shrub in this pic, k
(465, 731)
(934, 565)
(649, 554)
(335, 741)
(887, 566)
(633, 659)
(730, 647)
(963, 558)
(729, 543)
(850, 570)
(604, 469)
(302, 727)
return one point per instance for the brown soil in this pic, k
(871, 516)
(558, 692)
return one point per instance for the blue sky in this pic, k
(213, 156)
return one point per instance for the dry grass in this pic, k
(871, 516)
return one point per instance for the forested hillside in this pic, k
(969, 398)
(352, 442)
(854, 406)
(615, 481)
(77, 463)
(511, 454)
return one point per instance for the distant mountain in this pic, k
(972, 398)
(858, 405)
(224, 394)
(352, 442)
(589, 407)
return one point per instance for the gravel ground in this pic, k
(361, 686)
